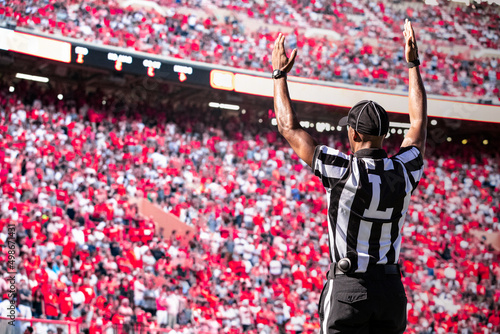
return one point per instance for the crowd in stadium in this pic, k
(355, 43)
(259, 255)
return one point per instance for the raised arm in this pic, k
(288, 123)
(417, 99)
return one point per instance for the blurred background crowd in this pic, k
(354, 42)
(257, 260)
(255, 256)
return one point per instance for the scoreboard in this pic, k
(180, 71)
(116, 60)
(129, 63)
(108, 58)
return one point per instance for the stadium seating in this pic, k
(356, 43)
(70, 167)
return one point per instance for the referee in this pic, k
(368, 195)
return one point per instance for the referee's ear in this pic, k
(357, 137)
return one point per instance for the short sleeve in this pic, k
(329, 164)
(412, 160)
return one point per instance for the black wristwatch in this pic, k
(413, 63)
(278, 74)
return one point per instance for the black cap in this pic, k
(367, 117)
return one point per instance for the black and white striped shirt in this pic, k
(368, 196)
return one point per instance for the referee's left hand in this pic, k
(280, 60)
(411, 48)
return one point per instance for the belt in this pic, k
(375, 269)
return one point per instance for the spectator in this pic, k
(28, 330)
(161, 305)
(246, 316)
(173, 306)
(125, 311)
(37, 307)
(149, 300)
(25, 300)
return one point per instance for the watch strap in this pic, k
(278, 74)
(413, 63)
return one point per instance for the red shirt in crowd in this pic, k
(65, 303)
(51, 303)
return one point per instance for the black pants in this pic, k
(363, 304)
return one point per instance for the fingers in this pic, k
(409, 33)
(413, 35)
(406, 34)
(282, 42)
(284, 62)
(279, 43)
(292, 56)
(276, 41)
(409, 29)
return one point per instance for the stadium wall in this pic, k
(164, 222)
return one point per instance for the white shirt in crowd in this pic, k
(275, 267)
(173, 303)
(138, 291)
(245, 314)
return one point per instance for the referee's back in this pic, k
(368, 196)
